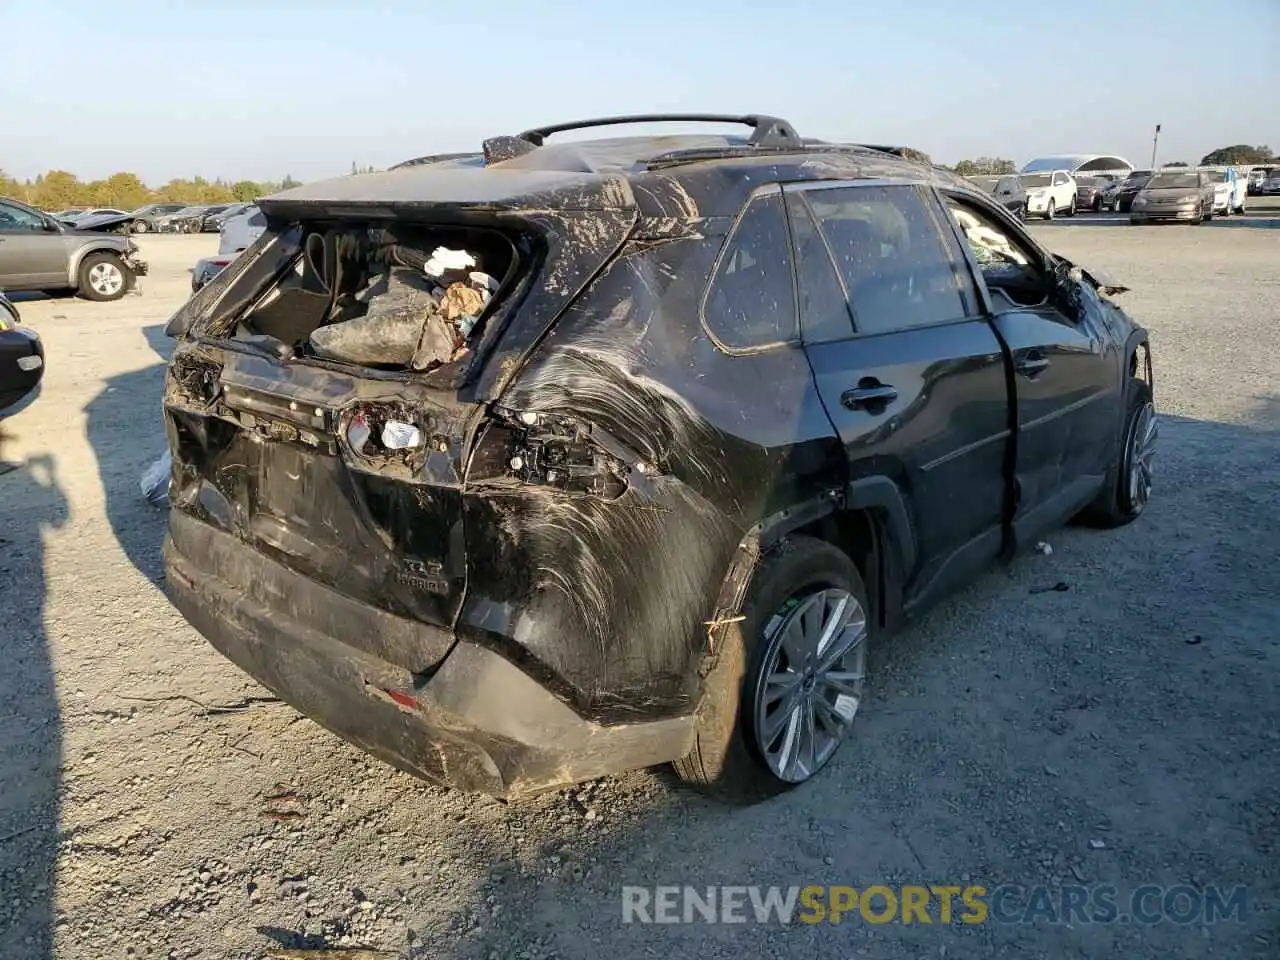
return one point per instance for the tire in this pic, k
(791, 586)
(141, 226)
(1071, 210)
(1123, 496)
(1097, 204)
(97, 281)
(1049, 211)
(1206, 215)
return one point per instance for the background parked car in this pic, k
(1174, 195)
(207, 268)
(1008, 191)
(21, 360)
(1272, 183)
(217, 216)
(1257, 177)
(185, 220)
(1090, 193)
(1229, 191)
(72, 218)
(1050, 193)
(240, 231)
(39, 253)
(1121, 198)
(141, 220)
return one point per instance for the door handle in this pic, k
(869, 393)
(1031, 366)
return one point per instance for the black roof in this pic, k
(687, 175)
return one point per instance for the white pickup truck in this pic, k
(1229, 191)
(1049, 193)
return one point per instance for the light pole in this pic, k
(1155, 141)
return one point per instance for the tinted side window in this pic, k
(890, 255)
(824, 314)
(15, 218)
(751, 302)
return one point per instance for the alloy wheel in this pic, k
(1140, 456)
(106, 278)
(814, 669)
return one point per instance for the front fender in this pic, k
(77, 257)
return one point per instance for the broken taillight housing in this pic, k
(377, 431)
(546, 450)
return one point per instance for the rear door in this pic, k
(31, 256)
(1067, 373)
(909, 370)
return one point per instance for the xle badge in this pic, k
(425, 575)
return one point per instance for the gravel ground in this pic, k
(1123, 732)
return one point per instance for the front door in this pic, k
(1066, 371)
(910, 372)
(32, 256)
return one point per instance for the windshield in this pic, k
(1174, 181)
(187, 210)
(986, 183)
(1217, 177)
(1037, 179)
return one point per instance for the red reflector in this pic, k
(403, 699)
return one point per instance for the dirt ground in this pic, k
(1124, 731)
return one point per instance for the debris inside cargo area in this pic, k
(383, 298)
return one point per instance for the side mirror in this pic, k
(52, 226)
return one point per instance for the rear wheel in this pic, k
(103, 276)
(141, 226)
(788, 677)
(1071, 210)
(1049, 211)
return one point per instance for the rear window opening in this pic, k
(401, 297)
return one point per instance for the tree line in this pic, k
(61, 190)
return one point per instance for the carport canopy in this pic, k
(1080, 163)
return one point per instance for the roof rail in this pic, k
(694, 155)
(765, 129)
(433, 158)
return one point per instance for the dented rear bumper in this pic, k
(477, 722)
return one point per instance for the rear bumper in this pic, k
(477, 723)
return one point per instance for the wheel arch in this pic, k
(1137, 361)
(93, 246)
(868, 520)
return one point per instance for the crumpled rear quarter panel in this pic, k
(608, 599)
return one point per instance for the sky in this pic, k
(239, 90)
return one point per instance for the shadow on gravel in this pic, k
(31, 503)
(1121, 732)
(126, 432)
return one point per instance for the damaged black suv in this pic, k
(563, 458)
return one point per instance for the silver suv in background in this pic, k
(39, 253)
(236, 234)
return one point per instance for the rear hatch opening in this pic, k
(399, 299)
